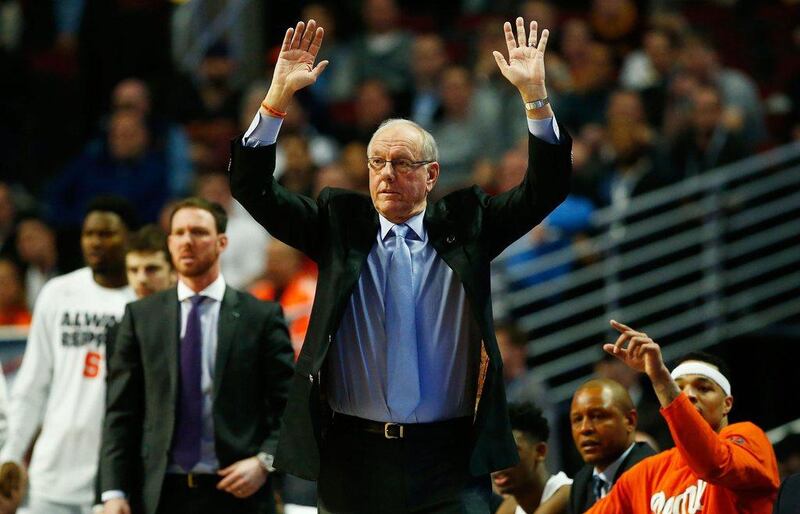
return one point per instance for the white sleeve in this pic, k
(3, 408)
(32, 383)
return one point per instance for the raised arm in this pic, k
(290, 217)
(525, 66)
(295, 68)
(512, 214)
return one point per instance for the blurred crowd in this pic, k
(141, 98)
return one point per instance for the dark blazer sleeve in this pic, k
(278, 366)
(579, 493)
(788, 501)
(510, 215)
(292, 218)
(122, 427)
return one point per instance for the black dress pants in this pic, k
(177, 497)
(428, 473)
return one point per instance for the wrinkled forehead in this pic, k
(399, 135)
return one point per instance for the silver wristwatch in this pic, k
(266, 460)
(537, 104)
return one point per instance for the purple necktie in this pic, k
(189, 423)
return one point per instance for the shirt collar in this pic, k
(415, 223)
(215, 290)
(611, 471)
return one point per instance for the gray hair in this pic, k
(429, 148)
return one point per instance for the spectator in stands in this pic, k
(723, 467)
(708, 142)
(529, 484)
(243, 259)
(133, 94)
(332, 175)
(61, 386)
(322, 149)
(427, 64)
(466, 129)
(649, 70)
(298, 170)
(739, 93)
(290, 281)
(603, 421)
(384, 49)
(37, 250)
(373, 104)
(337, 85)
(592, 81)
(615, 23)
(355, 166)
(13, 307)
(127, 166)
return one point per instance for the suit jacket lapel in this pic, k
(227, 326)
(172, 327)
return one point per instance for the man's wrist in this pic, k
(265, 460)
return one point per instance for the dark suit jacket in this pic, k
(581, 496)
(251, 377)
(467, 228)
(788, 501)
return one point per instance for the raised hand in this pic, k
(636, 350)
(295, 68)
(525, 65)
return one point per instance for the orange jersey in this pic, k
(733, 472)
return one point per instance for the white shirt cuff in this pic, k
(263, 131)
(112, 495)
(546, 129)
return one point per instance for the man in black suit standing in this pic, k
(197, 383)
(397, 402)
(603, 421)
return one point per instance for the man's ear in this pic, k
(433, 175)
(540, 449)
(632, 418)
(222, 241)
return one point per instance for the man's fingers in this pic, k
(287, 40)
(316, 43)
(543, 42)
(308, 36)
(534, 31)
(227, 481)
(298, 35)
(319, 68)
(521, 32)
(501, 61)
(510, 44)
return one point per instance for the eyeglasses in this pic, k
(376, 164)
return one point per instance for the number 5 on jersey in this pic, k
(91, 367)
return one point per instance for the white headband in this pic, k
(703, 369)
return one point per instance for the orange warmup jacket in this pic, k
(733, 472)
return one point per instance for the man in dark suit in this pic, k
(788, 501)
(603, 421)
(197, 384)
(397, 402)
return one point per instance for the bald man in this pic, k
(603, 421)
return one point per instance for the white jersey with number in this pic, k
(61, 386)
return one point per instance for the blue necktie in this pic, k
(598, 487)
(402, 367)
(189, 423)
